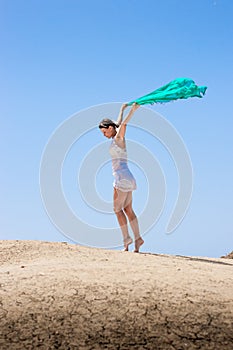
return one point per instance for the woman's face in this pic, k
(109, 132)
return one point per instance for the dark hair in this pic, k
(105, 123)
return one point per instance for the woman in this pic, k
(124, 182)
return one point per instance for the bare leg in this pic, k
(118, 199)
(124, 229)
(134, 225)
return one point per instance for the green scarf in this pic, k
(180, 88)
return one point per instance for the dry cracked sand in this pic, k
(64, 296)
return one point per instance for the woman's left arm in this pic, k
(120, 116)
(122, 129)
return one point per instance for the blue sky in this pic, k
(60, 57)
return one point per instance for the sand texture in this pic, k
(63, 296)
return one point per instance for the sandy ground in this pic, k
(62, 296)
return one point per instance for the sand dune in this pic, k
(62, 296)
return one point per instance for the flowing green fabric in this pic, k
(180, 88)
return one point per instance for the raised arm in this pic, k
(122, 128)
(120, 116)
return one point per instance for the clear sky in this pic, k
(59, 57)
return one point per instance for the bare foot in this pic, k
(127, 243)
(138, 244)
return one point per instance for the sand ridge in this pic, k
(65, 296)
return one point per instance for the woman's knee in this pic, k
(118, 211)
(129, 211)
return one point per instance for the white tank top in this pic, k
(123, 178)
